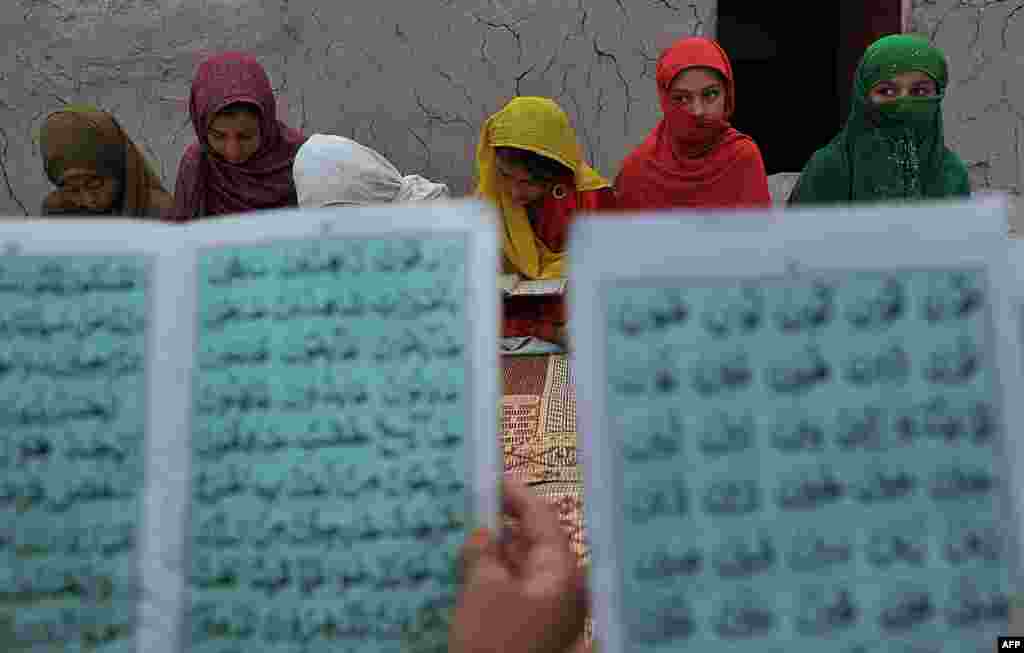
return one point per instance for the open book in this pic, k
(268, 430)
(806, 429)
(515, 285)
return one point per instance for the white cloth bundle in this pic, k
(337, 171)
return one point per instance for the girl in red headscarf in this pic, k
(694, 158)
(244, 155)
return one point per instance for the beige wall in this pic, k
(984, 109)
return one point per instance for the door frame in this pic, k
(860, 25)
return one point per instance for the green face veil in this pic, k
(894, 150)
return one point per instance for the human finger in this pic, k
(537, 520)
(474, 549)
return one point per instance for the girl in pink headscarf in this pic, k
(244, 154)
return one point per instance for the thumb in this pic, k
(480, 558)
(583, 587)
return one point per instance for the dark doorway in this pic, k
(794, 69)
(863, 23)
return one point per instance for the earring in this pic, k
(559, 191)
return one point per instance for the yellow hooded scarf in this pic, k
(539, 125)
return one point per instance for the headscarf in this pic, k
(686, 163)
(540, 126)
(334, 170)
(82, 136)
(891, 150)
(208, 184)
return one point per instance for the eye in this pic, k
(712, 93)
(95, 184)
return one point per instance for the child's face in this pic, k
(235, 136)
(89, 191)
(701, 91)
(521, 186)
(909, 84)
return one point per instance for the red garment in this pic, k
(542, 317)
(683, 163)
(209, 185)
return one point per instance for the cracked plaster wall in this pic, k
(984, 108)
(417, 84)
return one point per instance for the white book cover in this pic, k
(797, 436)
(265, 432)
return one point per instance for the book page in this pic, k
(508, 282)
(338, 452)
(78, 328)
(539, 287)
(1016, 258)
(804, 449)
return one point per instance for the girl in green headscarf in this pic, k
(892, 146)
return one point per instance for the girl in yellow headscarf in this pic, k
(530, 165)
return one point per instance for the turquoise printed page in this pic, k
(72, 430)
(331, 469)
(808, 462)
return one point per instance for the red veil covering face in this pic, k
(209, 185)
(686, 162)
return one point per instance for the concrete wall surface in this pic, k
(984, 106)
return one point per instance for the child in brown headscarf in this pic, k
(97, 169)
